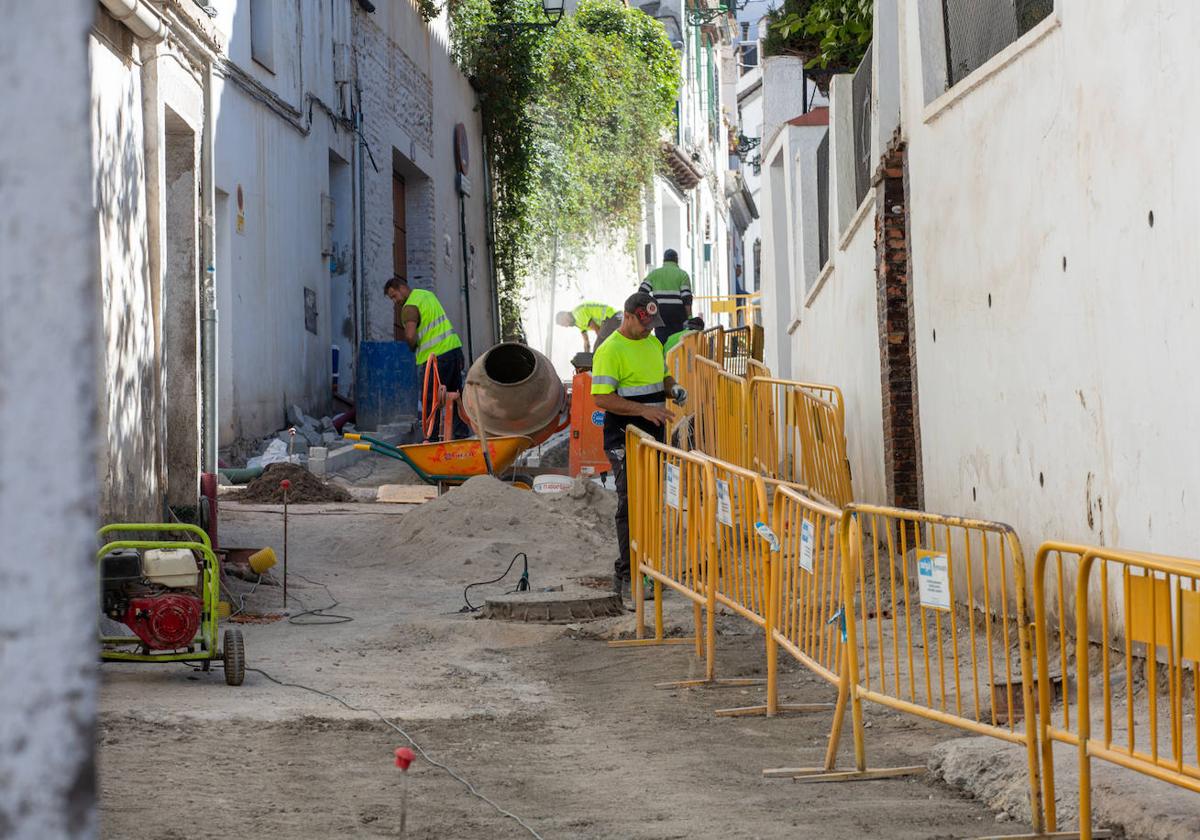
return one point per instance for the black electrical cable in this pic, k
(319, 612)
(470, 787)
(522, 584)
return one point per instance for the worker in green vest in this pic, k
(630, 384)
(600, 318)
(428, 331)
(690, 326)
(672, 291)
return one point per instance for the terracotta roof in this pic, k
(817, 116)
(684, 172)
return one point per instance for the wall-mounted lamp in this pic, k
(552, 10)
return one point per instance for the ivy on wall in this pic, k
(573, 116)
(827, 34)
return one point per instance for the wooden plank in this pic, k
(406, 494)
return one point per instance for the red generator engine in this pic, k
(156, 593)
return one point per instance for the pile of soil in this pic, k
(306, 487)
(487, 520)
(590, 502)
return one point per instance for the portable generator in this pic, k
(166, 592)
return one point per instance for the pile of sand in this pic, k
(486, 521)
(306, 487)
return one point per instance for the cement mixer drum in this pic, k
(514, 390)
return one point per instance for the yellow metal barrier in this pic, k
(712, 344)
(936, 626)
(720, 413)
(1154, 601)
(681, 366)
(755, 368)
(797, 434)
(805, 598)
(744, 308)
(738, 349)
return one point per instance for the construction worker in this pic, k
(690, 326)
(631, 386)
(598, 317)
(672, 290)
(428, 331)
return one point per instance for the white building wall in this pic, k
(49, 289)
(130, 463)
(291, 143)
(1060, 384)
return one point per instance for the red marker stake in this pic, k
(286, 485)
(404, 757)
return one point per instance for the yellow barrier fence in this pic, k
(720, 413)
(936, 627)
(805, 597)
(681, 366)
(1144, 610)
(797, 433)
(712, 344)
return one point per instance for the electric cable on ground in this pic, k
(319, 614)
(470, 787)
(522, 584)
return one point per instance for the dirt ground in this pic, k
(547, 721)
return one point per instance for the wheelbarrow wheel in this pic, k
(235, 657)
(524, 481)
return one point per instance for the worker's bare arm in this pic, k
(617, 404)
(411, 318)
(587, 344)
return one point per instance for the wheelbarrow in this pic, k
(450, 463)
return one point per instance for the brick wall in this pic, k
(897, 350)
(397, 104)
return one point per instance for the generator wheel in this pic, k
(235, 657)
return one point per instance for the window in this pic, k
(262, 33)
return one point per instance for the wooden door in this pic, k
(399, 245)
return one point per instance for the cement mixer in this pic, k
(513, 400)
(513, 389)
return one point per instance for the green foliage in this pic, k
(573, 117)
(827, 33)
(429, 9)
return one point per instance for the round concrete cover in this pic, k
(570, 604)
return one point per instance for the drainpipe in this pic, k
(490, 227)
(208, 286)
(138, 17)
(361, 285)
(466, 271)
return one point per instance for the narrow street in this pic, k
(547, 721)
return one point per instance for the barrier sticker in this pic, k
(933, 580)
(724, 503)
(807, 538)
(672, 483)
(597, 418)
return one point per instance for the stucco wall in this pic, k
(1060, 385)
(129, 420)
(49, 287)
(837, 343)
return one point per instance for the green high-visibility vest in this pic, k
(435, 335)
(587, 312)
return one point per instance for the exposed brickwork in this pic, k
(897, 350)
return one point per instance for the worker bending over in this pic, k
(690, 327)
(672, 290)
(631, 386)
(597, 317)
(428, 331)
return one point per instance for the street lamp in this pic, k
(552, 10)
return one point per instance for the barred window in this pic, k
(978, 29)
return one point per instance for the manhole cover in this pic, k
(561, 607)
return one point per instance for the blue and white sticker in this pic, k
(933, 580)
(724, 503)
(672, 486)
(807, 539)
(597, 418)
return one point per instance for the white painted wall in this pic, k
(130, 426)
(412, 97)
(838, 342)
(48, 343)
(1068, 401)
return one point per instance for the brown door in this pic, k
(399, 245)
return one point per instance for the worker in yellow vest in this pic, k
(428, 331)
(600, 318)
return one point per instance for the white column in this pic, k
(48, 400)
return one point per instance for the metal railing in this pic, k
(861, 96)
(822, 204)
(976, 30)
